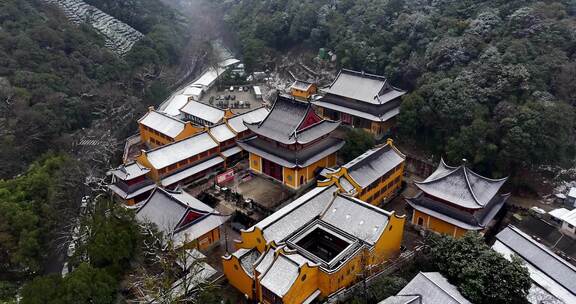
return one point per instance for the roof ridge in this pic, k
(162, 114)
(198, 102)
(453, 169)
(440, 287)
(544, 248)
(503, 179)
(469, 186)
(369, 206)
(252, 110)
(270, 112)
(148, 199)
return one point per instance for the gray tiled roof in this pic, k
(363, 87)
(161, 209)
(129, 171)
(280, 276)
(461, 186)
(373, 164)
(540, 257)
(167, 209)
(476, 220)
(283, 122)
(415, 299)
(295, 215)
(247, 261)
(371, 112)
(434, 289)
(265, 261)
(356, 217)
(133, 193)
(290, 158)
(254, 116)
(221, 132)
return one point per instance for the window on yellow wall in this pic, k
(289, 178)
(420, 221)
(254, 162)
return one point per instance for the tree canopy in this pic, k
(358, 141)
(481, 274)
(491, 81)
(57, 78)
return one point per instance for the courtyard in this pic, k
(238, 101)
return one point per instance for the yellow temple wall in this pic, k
(255, 163)
(437, 225)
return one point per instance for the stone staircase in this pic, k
(119, 36)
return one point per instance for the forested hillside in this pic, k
(57, 78)
(491, 81)
(60, 84)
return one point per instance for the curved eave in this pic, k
(333, 125)
(443, 217)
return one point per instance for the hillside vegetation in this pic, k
(491, 81)
(57, 78)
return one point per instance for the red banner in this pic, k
(225, 177)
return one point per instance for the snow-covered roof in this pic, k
(247, 258)
(558, 213)
(228, 62)
(356, 217)
(373, 164)
(289, 122)
(432, 288)
(280, 276)
(169, 211)
(373, 89)
(162, 123)
(265, 261)
(414, 299)
(129, 171)
(162, 209)
(461, 186)
(569, 217)
(203, 111)
(572, 192)
(295, 215)
(172, 153)
(194, 91)
(546, 268)
(199, 228)
(254, 116)
(125, 195)
(221, 132)
(173, 105)
(257, 90)
(301, 85)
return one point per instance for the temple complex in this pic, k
(313, 247)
